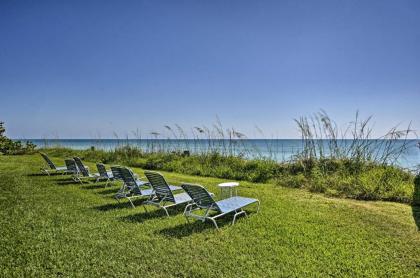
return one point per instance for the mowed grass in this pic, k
(52, 227)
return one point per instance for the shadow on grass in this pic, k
(85, 183)
(119, 205)
(151, 213)
(67, 182)
(144, 216)
(94, 186)
(63, 178)
(109, 207)
(44, 175)
(187, 229)
(108, 191)
(195, 226)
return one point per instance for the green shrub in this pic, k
(10, 147)
(294, 181)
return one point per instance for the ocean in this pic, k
(276, 149)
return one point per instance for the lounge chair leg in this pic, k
(167, 213)
(187, 207)
(131, 202)
(186, 212)
(214, 222)
(77, 179)
(236, 215)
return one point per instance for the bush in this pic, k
(294, 181)
(373, 183)
(10, 147)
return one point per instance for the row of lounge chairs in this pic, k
(156, 191)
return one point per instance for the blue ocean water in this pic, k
(277, 149)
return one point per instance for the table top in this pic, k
(228, 184)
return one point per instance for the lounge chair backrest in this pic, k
(116, 172)
(200, 196)
(71, 165)
(160, 186)
(128, 177)
(81, 166)
(102, 170)
(48, 160)
(130, 181)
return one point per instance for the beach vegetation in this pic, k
(9, 146)
(347, 163)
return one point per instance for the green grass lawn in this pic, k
(51, 227)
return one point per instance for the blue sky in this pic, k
(82, 69)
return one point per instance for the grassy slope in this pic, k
(51, 227)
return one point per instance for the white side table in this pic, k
(229, 189)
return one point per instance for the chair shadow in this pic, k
(143, 216)
(44, 175)
(86, 184)
(187, 229)
(109, 207)
(108, 191)
(195, 226)
(67, 182)
(94, 186)
(153, 213)
(118, 205)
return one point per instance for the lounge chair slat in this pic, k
(49, 162)
(104, 174)
(234, 203)
(116, 172)
(82, 168)
(160, 185)
(163, 192)
(51, 167)
(201, 196)
(71, 166)
(132, 187)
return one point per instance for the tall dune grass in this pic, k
(321, 139)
